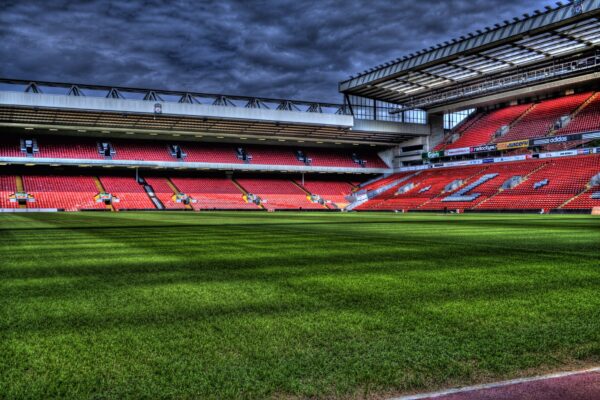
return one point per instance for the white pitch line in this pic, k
(495, 385)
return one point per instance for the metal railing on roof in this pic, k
(128, 93)
(516, 80)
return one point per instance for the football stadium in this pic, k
(437, 228)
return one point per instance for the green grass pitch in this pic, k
(290, 305)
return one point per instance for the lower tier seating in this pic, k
(279, 194)
(164, 193)
(333, 191)
(568, 183)
(527, 185)
(130, 193)
(8, 186)
(213, 194)
(71, 193)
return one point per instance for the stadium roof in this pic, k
(512, 47)
(51, 105)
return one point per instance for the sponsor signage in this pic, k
(516, 144)
(434, 154)
(559, 154)
(555, 139)
(503, 159)
(484, 149)
(595, 135)
(458, 152)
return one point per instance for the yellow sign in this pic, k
(513, 145)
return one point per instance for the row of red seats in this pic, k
(165, 193)
(130, 193)
(279, 193)
(483, 130)
(213, 193)
(546, 184)
(70, 193)
(334, 191)
(541, 119)
(587, 120)
(8, 186)
(87, 148)
(529, 121)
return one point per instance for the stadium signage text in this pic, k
(484, 149)
(516, 144)
(556, 139)
(458, 152)
(433, 154)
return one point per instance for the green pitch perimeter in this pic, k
(278, 305)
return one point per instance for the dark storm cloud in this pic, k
(275, 48)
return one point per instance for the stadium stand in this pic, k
(333, 191)
(550, 187)
(540, 120)
(524, 185)
(273, 155)
(528, 121)
(587, 120)
(141, 150)
(420, 189)
(131, 194)
(70, 193)
(213, 193)
(50, 147)
(8, 187)
(165, 193)
(279, 194)
(482, 130)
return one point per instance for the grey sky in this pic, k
(275, 48)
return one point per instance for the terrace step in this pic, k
(309, 195)
(150, 192)
(176, 191)
(244, 192)
(588, 189)
(101, 189)
(576, 112)
(20, 188)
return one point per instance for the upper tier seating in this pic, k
(52, 147)
(483, 129)
(164, 193)
(144, 150)
(211, 153)
(71, 193)
(141, 150)
(342, 158)
(8, 186)
(131, 194)
(541, 119)
(273, 155)
(279, 194)
(213, 193)
(588, 120)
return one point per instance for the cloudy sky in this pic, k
(297, 49)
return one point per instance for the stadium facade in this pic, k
(506, 118)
